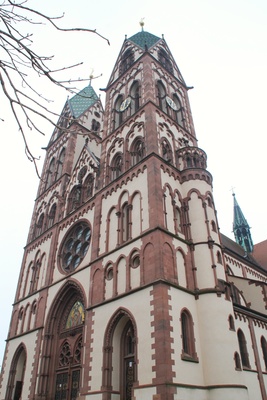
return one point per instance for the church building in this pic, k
(127, 288)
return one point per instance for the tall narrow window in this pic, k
(125, 222)
(237, 361)
(60, 163)
(188, 340)
(127, 60)
(75, 197)
(179, 110)
(50, 173)
(116, 166)
(39, 226)
(52, 215)
(166, 150)
(164, 59)
(88, 186)
(243, 349)
(95, 127)
(137, 151)
(135, 96)
(264, 351)
(118, 114)
(162, 96)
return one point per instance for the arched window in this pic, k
(188, 339)
(219, 258)
(39, 226)
(60, 163)
(52, 215)
(75, 198)
(164, 59)
(95, 127)
(213, 226)
(237, 361)
(166, 150)
(162, 96)
(125, 222)
(243, 349)
(118, 114)
(264, 351)
(127, 60)
(50, 173)
(177, 219)
(179, 110)
(137, 151)
(231, 323)
(116, 166)
(16, 376)
(135, 96)
(88, 186)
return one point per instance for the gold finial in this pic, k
(142, 23)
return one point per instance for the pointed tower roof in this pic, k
(143, 39)
(241, 228)
(82, 101)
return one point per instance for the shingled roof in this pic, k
(82, 101)
(144, 39)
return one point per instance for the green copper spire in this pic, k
(241, 229)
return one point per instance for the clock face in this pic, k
(171, 103)
(125, 104)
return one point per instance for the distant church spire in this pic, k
(241, 228)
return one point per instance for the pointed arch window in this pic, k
(178, 220)
(179, 112)
(231, 323)
(50, 173)
(243, 349)
(126, 61)
(118, 114)
(52, 215)
(75, 198)
(135, 95)
(125, 222)
(116, 166)
(264, 351)
(237, 361)
(95, 127)
(60, 163)
(88, 186)
(166, 150)
(39, 226)
(137, 151)
(165, 61)
(162, 96)
(188, 339)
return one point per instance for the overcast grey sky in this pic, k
(220, 48)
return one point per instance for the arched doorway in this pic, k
(120, 356)
(61, 364)
(16, 377)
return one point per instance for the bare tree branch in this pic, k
(18, 60)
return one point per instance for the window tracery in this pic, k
(126, 61)
(137, 151)
(165, 61)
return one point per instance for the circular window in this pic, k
(109, 273)
(75, 246)
(136, 261)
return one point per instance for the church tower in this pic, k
(123, 276)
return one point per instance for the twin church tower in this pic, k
(127, 289)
